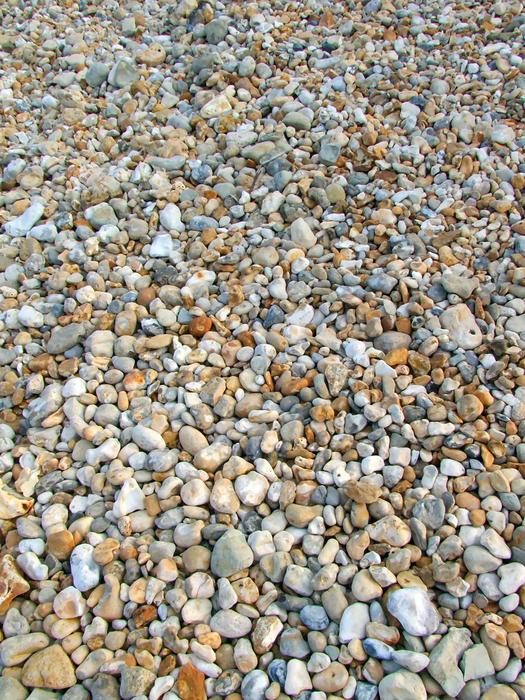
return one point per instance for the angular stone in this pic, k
(231, 554)
(476, 663)
(265, 633)
(190, 683)
(362, 491)
(12, 584)
(64, 337)
(391, 530)
(12, 506)
(414, 610)
(215, 107)
(123, 73)
(444, 658)
(134, 681)
(49, 668)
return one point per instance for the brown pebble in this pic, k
(199, 326)
(60, 544)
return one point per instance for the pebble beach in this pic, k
(262, 350)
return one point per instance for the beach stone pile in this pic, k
(262, 350)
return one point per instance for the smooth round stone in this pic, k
(251, 488)
(170, 218)
(500, 692)
(231, 554)
(230, 624)
(195, 493)
(353, 622)
(512, 577)
(469, 407)
(192, 440)
(332, 679)
(223, 498)
(314, 617)
(147, 439)
(297, 678)
(365, 588)
(402, 685)
(254, 685)
(12, 688)
(479, 560)
(69, 603)
(84, 569)
(411, 660)
(302, 235)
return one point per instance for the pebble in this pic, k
(231, 554)
(49, 668)
(402, 685)
(414, 610)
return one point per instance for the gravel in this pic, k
(262, 351)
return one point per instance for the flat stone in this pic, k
(476, 663)
(479, 560)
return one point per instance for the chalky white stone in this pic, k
(414, 610)
(25, 222)
(353, 622)
(84, 569)
(170, 218)
(129, 499)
